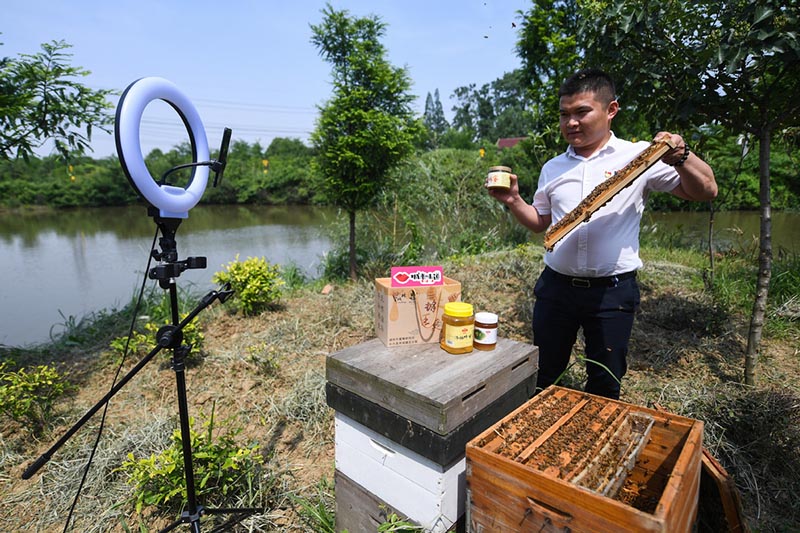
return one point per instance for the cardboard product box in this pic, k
(411, 315)
(571, 460)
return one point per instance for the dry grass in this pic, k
(267, 373)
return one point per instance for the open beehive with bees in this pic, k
(574, 460)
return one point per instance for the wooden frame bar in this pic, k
(603, 193)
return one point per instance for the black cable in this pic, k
(116, 377)
(181, 167)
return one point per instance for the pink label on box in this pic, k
(417, 276)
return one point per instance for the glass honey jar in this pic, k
(458, 327)
(499, 178)
(485, 331)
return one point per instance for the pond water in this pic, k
(66, 264)
(70, 263)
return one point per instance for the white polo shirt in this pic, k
(608, 243)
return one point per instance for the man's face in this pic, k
(586, 121)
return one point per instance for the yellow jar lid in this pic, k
(459, 309)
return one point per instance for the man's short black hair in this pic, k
(590, 80)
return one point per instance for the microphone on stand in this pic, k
(218, 166)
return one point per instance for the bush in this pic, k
(222, 470)
(28, 396)
(142, 343)
(255, 282)
(139, 343)
(192, 334)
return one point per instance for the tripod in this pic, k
(169, 336)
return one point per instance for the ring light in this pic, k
(172, 202)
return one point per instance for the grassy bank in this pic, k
(264, 376)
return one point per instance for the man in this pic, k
(589, 280)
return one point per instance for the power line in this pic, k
(232, 104)
(226, 104)
(159, 127)
(243, 128)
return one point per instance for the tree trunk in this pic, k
(708, 276)
(353, 275)
(764, 262)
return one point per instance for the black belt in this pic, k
(608, 281)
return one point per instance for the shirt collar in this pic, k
(610, 146)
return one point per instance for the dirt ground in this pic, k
(267, 374)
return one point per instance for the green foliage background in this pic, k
(285, 175)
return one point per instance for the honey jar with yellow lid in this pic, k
(458, 327)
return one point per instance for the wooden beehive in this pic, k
(404, 416)
(426, 399)
(431, 495)
(548, 464)
(357, 509)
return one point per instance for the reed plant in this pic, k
(438, 209)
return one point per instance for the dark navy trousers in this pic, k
(604, 308)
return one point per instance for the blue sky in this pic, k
(250, 65)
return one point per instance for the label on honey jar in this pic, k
(484, 335)
(499, 178)
(458, 336)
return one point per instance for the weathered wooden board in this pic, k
(429, 386)
(506, 495)
(720, 506)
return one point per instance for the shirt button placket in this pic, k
(583, 230)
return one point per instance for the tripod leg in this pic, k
(44, 458)
(193, 512)
(179, 353)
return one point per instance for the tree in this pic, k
(288, 147)
(498, 109)
(549, 48)
(465, 117)
(434, 119)
(368, 126)
(552, 48)
(513, 107)
(40, 99)
(686, 64)
(474, 112)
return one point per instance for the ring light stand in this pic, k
(172, 202)
(168, 205)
